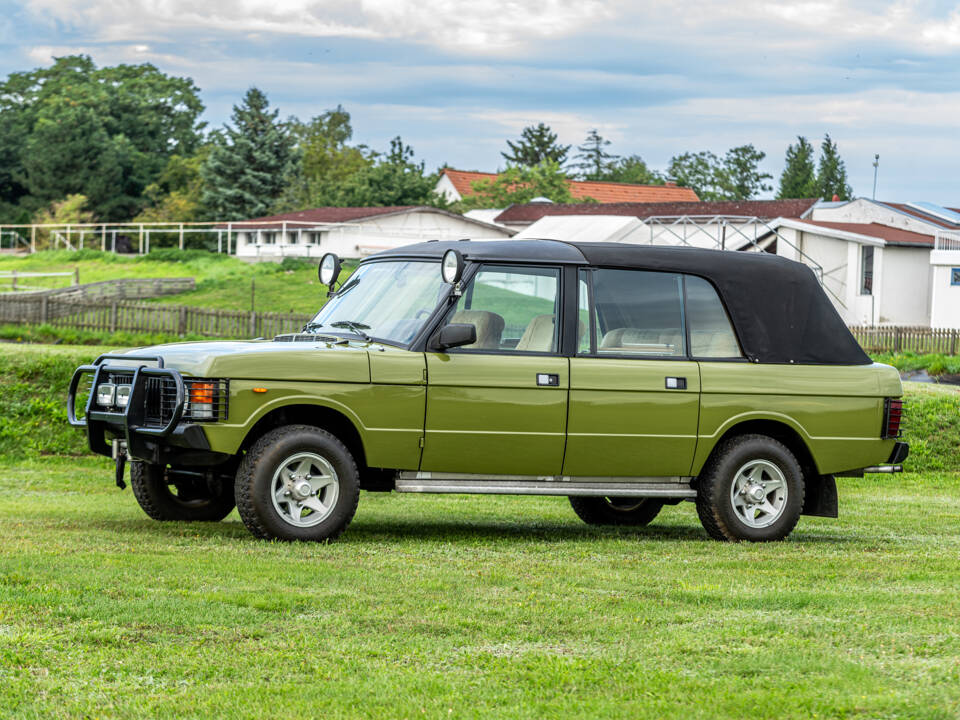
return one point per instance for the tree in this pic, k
(103, 132)
(536, 144)
(521, 184)
(701, 171)
(71, 210)
(740, 178)
(325, 160)
(736, 177)
(632, 169)
(394, 180)
(832, 173)
(799, 179)
(250, 159)
(595, 162)
(175, 195)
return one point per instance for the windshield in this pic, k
(388, 301)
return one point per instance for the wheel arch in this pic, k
(323, 416)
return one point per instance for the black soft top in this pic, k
(780, 312)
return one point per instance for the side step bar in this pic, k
(431, 482)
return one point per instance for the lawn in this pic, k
(223, 282)
(467, 606)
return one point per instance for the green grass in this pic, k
(474, 607)
(223, 282)
(466, 606)
(933, 363)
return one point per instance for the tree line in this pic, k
(83, 143)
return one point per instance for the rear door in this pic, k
(499, 406)
(634, 392)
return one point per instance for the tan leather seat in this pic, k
(489, 327)
(539, 335)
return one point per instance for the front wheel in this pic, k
(752, 489)
(297, 482)
(616, 510)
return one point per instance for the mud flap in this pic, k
(821, 497)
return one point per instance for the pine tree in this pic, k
(832, 173)
(740, 177)
(246, 170)
(595, 162)
(799, 178)
(536, 144)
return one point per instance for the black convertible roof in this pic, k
(781, 313)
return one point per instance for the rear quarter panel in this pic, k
(836, 410)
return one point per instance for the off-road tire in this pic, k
(635, 512)
(193, 501)
(714, 505)
(255, 477)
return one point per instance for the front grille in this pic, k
(161, 400)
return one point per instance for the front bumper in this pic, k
(173, 441)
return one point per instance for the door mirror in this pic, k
(454, 335)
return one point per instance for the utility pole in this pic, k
(876, 167)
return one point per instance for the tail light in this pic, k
(892, 413)
(201, 399)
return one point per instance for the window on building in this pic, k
(955, 276)
(637, 313)
(866, 270)
(512, 308)
(711, 333)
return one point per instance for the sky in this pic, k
(456, 79)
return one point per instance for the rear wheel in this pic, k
(297, 482)
(752, 489)
(176, 494)
(616, 510)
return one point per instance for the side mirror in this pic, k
(454, 335)
(329, 270)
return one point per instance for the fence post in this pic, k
(33, 238)
(897, 340)
(253, 323)
(113, 316)
(953, 342)
(43, 309)
(181, 236)
(14, 276)
(182, 330)
(76, 275)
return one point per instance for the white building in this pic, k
(353, 232)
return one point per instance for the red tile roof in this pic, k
(892, 236)
(767, 209)
(332, 214)
(602, 192)
(922, 215)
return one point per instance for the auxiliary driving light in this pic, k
(106, 394)
(123, 395)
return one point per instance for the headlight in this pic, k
(123, 395)
(106, 393)
(200, 400)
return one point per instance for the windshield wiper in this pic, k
(311, 326)
(357, 328)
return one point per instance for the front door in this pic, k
(499, 406)
(634, 394)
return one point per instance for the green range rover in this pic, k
(624, 377)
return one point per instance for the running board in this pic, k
(432, 482)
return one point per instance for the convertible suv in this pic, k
(624, 377)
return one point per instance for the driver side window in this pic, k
(514, 309)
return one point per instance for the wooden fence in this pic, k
(945, 341)
(117, 315)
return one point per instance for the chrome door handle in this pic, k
(548, 380)
(676, 383)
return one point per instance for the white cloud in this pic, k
(485, 26)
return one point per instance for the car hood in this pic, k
(344, 361)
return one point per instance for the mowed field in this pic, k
(460, 606)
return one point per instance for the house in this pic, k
(880, 263)
(353, 232)
(455, 185)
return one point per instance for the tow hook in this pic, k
(119, 453)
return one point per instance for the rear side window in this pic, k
(638, 313)
(711, 333)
